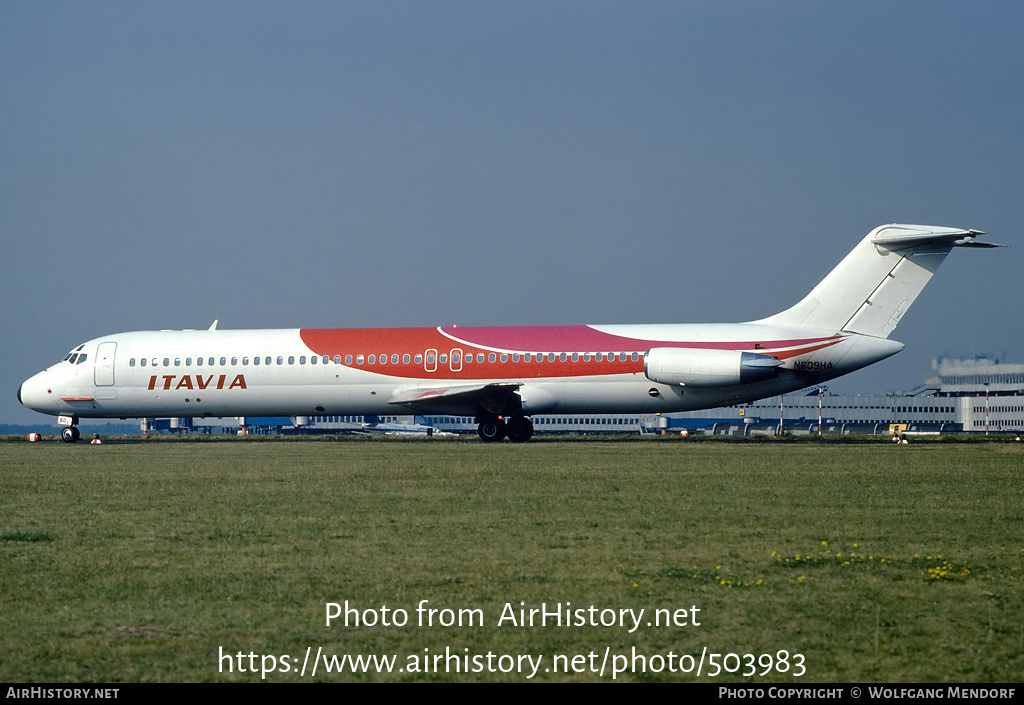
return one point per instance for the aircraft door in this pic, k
(455, 364)
(104, 371)
(430, 360)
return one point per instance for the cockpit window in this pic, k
(73, 356)
(69, 356)
(81, 358)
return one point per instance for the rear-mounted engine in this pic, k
(689, 367)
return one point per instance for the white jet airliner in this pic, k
(502, 376)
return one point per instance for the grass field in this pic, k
(140, 561)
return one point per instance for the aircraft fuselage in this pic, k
(503, 375)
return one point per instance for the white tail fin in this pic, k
(870, 290)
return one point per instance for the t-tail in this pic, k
(870, 290)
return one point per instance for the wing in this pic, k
(497, 398)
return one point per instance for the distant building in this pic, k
(989, 392)
(981, 394)
(975, 395)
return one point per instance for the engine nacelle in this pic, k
(696, 367)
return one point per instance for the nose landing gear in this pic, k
(69, 434)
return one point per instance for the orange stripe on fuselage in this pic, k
(787, 354)
(559, 340)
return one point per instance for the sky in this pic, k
(356, 164)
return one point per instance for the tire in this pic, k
(69, 434)
(491, 431)
(520, 430)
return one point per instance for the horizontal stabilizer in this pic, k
(898, 236)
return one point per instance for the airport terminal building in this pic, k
(975, 395)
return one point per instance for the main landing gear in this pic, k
(519, 429)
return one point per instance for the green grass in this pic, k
(137, 561)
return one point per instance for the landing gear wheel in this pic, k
(491, 431)
(520, 430)
(69, 434)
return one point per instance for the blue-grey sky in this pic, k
(349, 164)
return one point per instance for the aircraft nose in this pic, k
(28, 394)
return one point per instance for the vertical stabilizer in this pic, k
(870, 290)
